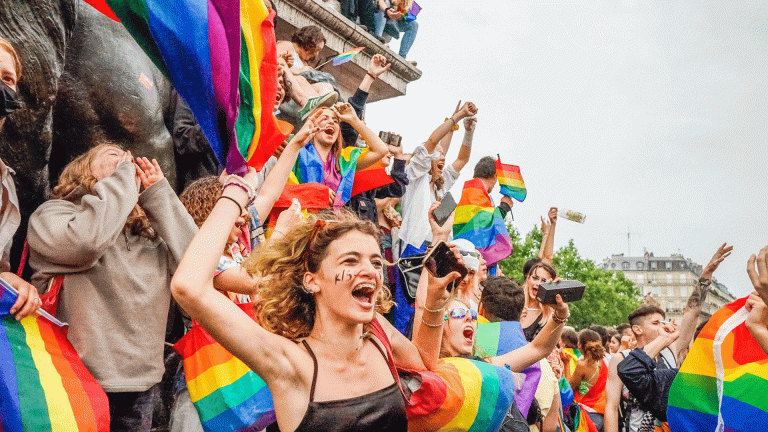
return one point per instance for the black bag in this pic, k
(410, 271)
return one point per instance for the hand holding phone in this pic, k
(443, 212)
(441, 261)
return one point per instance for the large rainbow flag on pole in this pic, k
(43, 383)
(478, 221)
(200, 46)
(499, 338)
(228, 395)
(722, 384)
(510, 181)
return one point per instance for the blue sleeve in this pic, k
(396, 189)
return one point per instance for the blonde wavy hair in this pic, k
(78, 174)
(285, 307)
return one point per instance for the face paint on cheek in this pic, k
(341, 276)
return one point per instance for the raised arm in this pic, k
(696, 300)
(547, 251)
(757, 270)
(275, 181)
(462, 112)
(466, 145)
(377, 148)
(542, 344)
(757, 320)
(272, 357)
(431, 299)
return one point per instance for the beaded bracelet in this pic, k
(557, 319)
(455, 126)
(440, 309)
(241, 180)
(431, 325)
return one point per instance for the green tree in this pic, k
(608, 298)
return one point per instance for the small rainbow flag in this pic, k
(346, 56)
(510, 181)
(723, 382)
(309, 168)
(228, 395)
(499, 338)
(467, 395)
(44, 385)
(482, 224)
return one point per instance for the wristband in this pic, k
(431, 325)
(372, 77)
(233, 200)
(251, 189)
(440, 309)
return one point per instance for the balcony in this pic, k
(342, 35)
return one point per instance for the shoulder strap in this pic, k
(23, 260)
(314, 374)
(378, 331)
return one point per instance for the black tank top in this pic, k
(382, 410)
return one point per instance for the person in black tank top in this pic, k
(535, 315)
(321, 284)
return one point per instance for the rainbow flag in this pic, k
(346, 56)
(479, 222)
(582, 422)
(228, 395)
(43, 383)
(510, 181)
(723, 382)
(309, 168)
(375, 176)
(461, 395)
(499, 338)
(258, 132)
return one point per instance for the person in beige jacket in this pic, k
(117, 249)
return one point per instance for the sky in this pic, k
(649, 117)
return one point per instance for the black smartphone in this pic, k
(384, 137)
(447, 206)
(569, 290)
(440, 261)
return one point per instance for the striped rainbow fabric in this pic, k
(228, 395)
(43, 383)
(309, 168)
(346, 56)
(510, 181)
(495, 339)
(482, 224)
(200, 46)
(724, 357)
(476, 398)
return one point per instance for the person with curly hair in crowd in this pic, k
(320, 343)
(115, 230)
(590, 376)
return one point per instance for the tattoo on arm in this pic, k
(699, 295)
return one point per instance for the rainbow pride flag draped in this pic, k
(468, 395)
(227, 394)
(482, 224)
(309, 168)
(375, 176)
(582, 422)
(346, 56)
(224, 73)
(258, 132)
(511, 181)
(499, 338)
(43, 383)
(723, 383)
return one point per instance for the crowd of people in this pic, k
(335, 318)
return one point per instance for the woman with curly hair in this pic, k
(320, 343)
(115, 230)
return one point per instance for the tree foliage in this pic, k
(609, 297)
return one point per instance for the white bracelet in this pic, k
(250, 189)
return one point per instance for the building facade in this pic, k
(668, 282)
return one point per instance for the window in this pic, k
(653, 277)
(669, 278)
(625, 265)
(670, 291)
(684, 291)
(669, 265)
(683, 277)
(640, 265)
(613, 265)
(653, 265)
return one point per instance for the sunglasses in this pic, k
(460, 312)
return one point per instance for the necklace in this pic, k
(323, 340)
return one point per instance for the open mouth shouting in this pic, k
(365, 293)
(469, 334)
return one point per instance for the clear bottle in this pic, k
(572, 215)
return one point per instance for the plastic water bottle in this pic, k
(572, 215)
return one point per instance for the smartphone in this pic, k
(440, 261)
(384, 137)
(394, 140)
(447, 206)
(569, 290)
